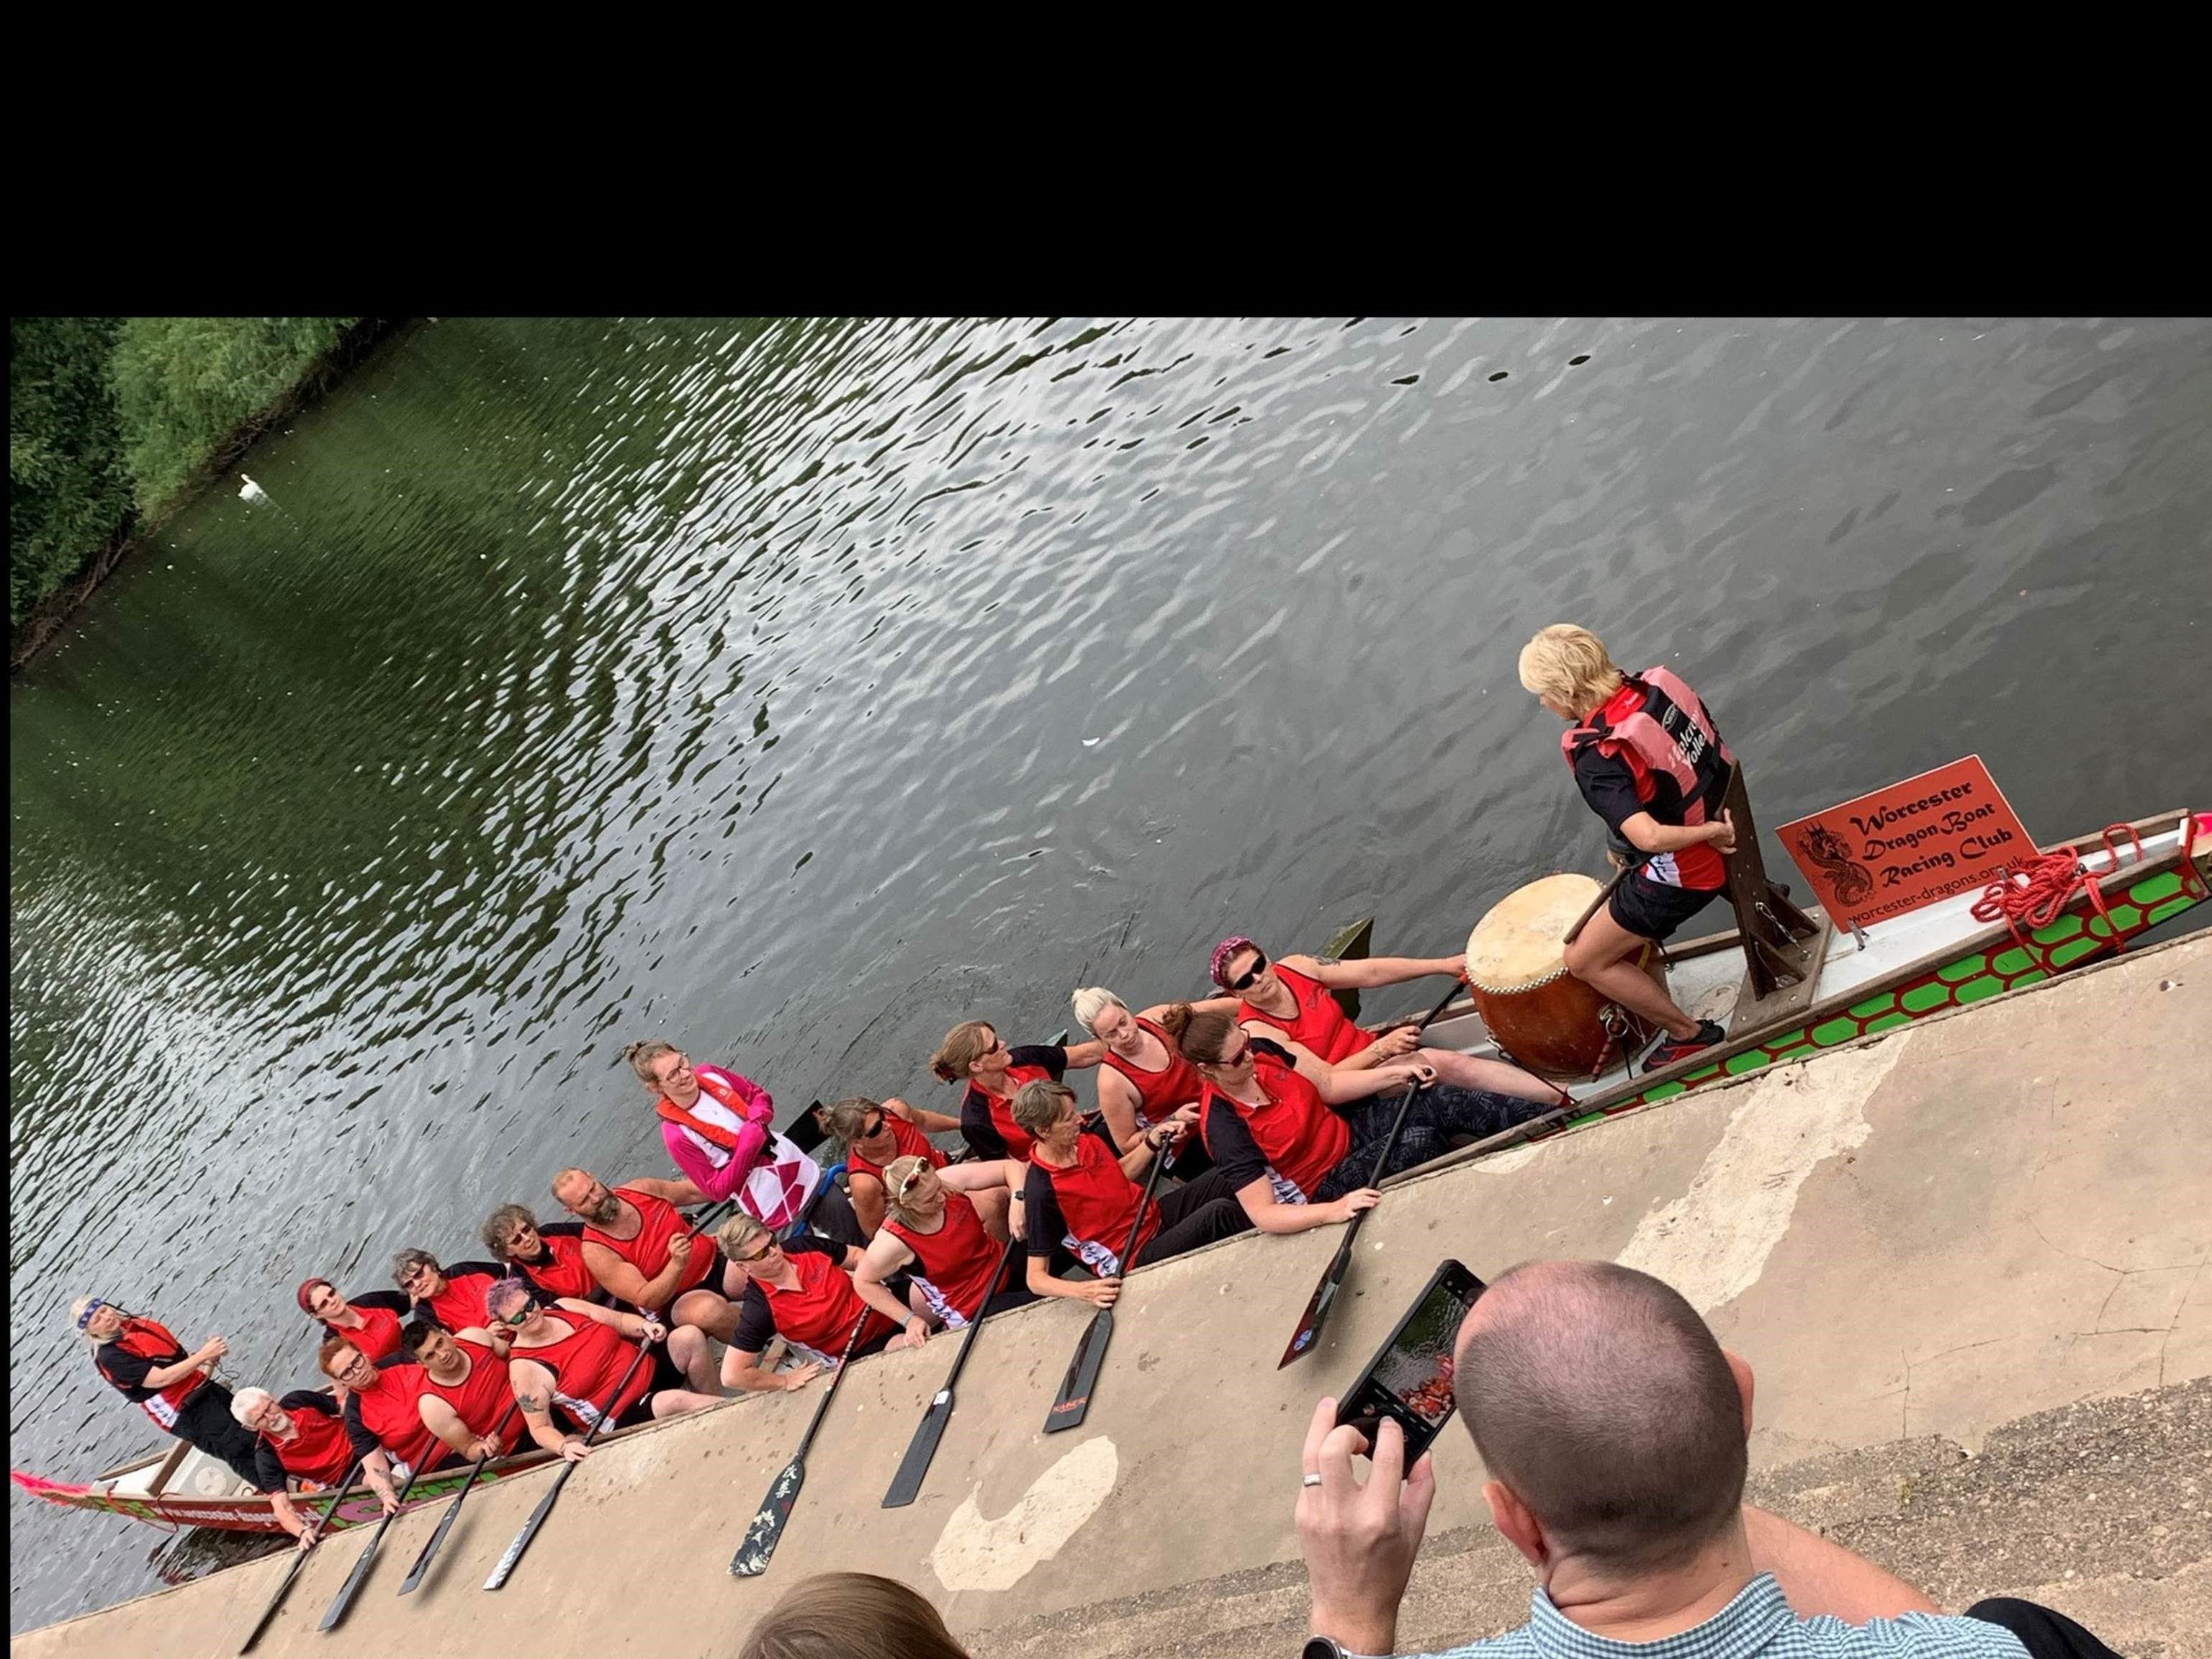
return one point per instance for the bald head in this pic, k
(1596, 1395)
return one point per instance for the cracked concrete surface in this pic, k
(2019, 1233)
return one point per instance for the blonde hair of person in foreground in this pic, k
(851, 1616)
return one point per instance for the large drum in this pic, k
(1546, 1018)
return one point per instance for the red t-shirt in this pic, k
(815, 1316)
(1088, 1207)
(956, 1267)
(1294, 1140)
(911, 1142)
(379, 1335)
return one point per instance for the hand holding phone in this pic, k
(1409, 1381)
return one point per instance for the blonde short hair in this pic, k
(738, 1234)
(1571, 666)
(1092, 1001)
(898, 1175)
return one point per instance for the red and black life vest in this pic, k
(956, 1266)
(1655, 724)
(817, 1314)
(388, 1411)
(1159, 1093)
(319, 1449)
(149, 1339)
(378, 1335)
(911, 1142)
(658, 1223)
(1301, 1138)
(1097, 1202)
(480, 1399)
(781, 1179)
(1002, 1107)
(586, 1364)
(1319, 1026)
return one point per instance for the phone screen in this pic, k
(1410, 1378)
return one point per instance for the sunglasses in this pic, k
(872, 1127)
(1244, 980)
(765, 1251)
(521, 1315)
(907, 1186)
(1228, 1061)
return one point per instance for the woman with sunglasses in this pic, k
(1289, 1003)
(801, 1290)
(549, 1255)
(1292, 1161)
(370, 1320)
(565, 1357)
(934, 1234)
(178, 1390)
(878, 1133)
(972, 1053)
(1083, 1197)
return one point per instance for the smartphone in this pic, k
(1410, 1378)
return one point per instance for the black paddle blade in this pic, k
(906, 1485)
(1073, 1400)
(430, 1550)
(767, 1529)
(299, 1558)
(343, 1600)
(1317, 1312)
(505, 1570)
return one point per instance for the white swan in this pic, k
(251, 491)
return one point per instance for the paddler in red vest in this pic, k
(1650, 761)
(549, 1254)
(934, 1235)
(1143, 1082)
(301, 1437)
(801, 1289)
(144, 1360)
(449, 1296)
(1297, 1141)
(1287, 1002)
(565, 1359)
(972, 1054)
(1084, 1197)
(382, 1419)
(720, 1128)
(643, 1252)
(878, 1133)
(370, 1320)
(466, 1397)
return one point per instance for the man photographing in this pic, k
(1611, 1426)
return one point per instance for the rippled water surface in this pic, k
(794, 690)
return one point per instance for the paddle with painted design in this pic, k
(300, 1559)
(1073, 1403)
(767, 1528)
(906, 1485)
(1324, 1296)
(505, 1570)
(453, 1512)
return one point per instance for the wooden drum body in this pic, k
(1541, 1015)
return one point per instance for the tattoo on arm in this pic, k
(530, 1404)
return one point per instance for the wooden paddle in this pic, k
(505, 1570)
(906, 1485)
(768, 1524)
(1073, 1403)
(300, 1559)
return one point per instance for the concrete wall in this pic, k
(1994, 1213)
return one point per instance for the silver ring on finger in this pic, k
(1310, 1480)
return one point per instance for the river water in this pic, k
(794, 690)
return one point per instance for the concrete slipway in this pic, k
(1967, 1259)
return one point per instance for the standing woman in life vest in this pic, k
(720, 1128)
(144, 1360)
(1650, 761)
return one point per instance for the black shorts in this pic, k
(1650, 910)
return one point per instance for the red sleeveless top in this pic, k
(1097, 1202)
(480, 1399)
(1320, 1024)
(1159, 1093)
(563, 1272)
(586, 1364)
(318, 1451)
(658, 1223)
(911, 1142)
(378, 1336)
(1301, 1138)
(388, 1412)
(956, 1267)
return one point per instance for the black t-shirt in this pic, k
(269, 1473)
(1046, 1226)
(756, 1322)
(977, 1128)
(1609, 786)
(391, 1301)
(127, 1371)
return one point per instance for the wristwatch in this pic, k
(1324, 1647)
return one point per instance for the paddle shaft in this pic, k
(967, 1340)
(906, 1484)
(768, 1524)
(300, 1559)
(505, 1570)
(446, 1521)
(347, 1591)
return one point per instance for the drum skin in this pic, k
(1541, 1015)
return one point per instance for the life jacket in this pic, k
(1002, 1107)
(1159, 1093)
(815, 1316)
(480, 1399)
(149, 1339)
(1319, 1026)
(319, 1449)
(911, 1142)
(586, 1364)
(1656, 723)
(377, 1336)
(562, 1272)
(781, 1179)
(956, 1267)
(659, 1222)
(1301, 1138)
(1097, 1202)
(388, 1411)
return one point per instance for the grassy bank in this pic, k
(113, 421)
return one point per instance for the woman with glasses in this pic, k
(448, 1295)
(370, 1320)
(1083, 1197)
(549, 1255)
(564, 1357)
(801, 1290)
(149, 1367)
(878, 1133)
(973, 1054)
(720, 1128)
(1289, 1003)
(934, 1234)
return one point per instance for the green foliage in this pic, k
(182, 385)
(67, 487)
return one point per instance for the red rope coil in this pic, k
(2035, 892)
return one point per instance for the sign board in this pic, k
(1944, 832)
